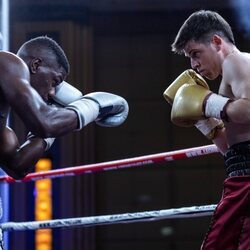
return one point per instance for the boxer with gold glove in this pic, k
(188, 94)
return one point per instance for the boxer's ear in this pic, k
(34, 65)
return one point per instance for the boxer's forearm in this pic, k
(220, 141)
(23, 161)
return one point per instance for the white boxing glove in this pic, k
(48, 141)
(106, 109)
(66, 94)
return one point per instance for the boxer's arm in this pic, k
(106, 109)
(17, 161)
(214, 130)
(236, 111)
(220, 140)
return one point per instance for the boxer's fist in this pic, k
(209, 127)
(188, 105)
(106, 109)
(113, 109)
(65, 94)
(187, 77)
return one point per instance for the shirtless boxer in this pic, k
(207, 39)
(29, 82)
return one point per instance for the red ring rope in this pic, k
(118, 164)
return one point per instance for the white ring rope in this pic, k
(184, 212)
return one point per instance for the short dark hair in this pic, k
(201, 26)
(47, 43)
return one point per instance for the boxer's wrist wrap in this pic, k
(215, 106)
(237, 159)
(209, 127)
(47, 141)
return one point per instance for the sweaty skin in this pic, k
(221, 58)
(236, 85)
(30, 105)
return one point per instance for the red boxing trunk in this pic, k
(230, 226)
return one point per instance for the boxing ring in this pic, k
(183, 212)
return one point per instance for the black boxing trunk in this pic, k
(237, 159)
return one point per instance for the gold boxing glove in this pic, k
(188, 104)
(190, 77)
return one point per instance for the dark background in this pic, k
(122, 47)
